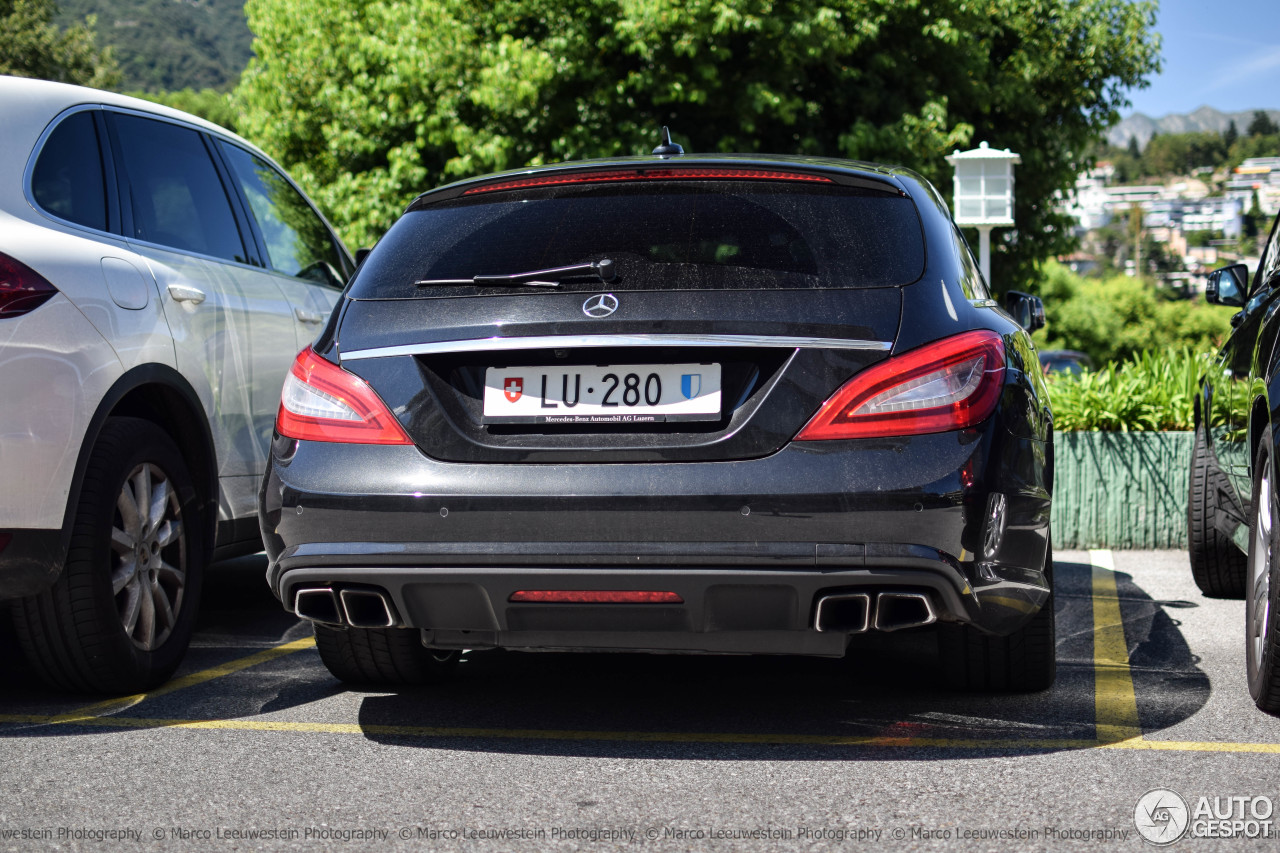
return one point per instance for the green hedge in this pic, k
(1150, 392)
(1117, 318)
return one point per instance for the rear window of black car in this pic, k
(676, 235)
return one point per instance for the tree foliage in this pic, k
(34, 47)
(209, 104)
(168, 45)
(1262, 125)
(370, 102)
(1119, 317)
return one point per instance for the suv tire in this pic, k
(1217, 565)
(120, 616)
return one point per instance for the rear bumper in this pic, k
(751, 547)
(722, 610)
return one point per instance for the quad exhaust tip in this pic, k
(858, 612)
(318, 605)
(898, 610)
(848, 613)
(366, 608)
(357, 608)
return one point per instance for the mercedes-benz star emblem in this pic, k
(600, 305)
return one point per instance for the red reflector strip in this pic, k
(596, 596)
(651, 175)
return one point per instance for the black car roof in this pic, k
(844, 172)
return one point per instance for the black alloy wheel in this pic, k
(1262, 639)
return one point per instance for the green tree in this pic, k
(209, 104)
(1230, 135)
(1262, 125)
(1118, 317)
(34, 47)
(369, 103)
(1182, 153)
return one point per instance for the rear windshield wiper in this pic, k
(552, 277)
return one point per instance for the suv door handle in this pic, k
(307, 316)
(186, 293)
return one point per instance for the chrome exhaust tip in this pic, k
(366, 608)
(898, 610)
(847, 613)
(318, 604)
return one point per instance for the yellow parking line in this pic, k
(432, 732)
(121, 703)
(1115, 703)
(1194, 746)
(369, 730)
(1116, 709)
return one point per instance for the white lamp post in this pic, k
(984, 194)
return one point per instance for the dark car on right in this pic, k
(1233, 512)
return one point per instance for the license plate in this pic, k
(602, 394)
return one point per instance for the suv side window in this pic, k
(297, 241)
(67, 180)
(174, 193)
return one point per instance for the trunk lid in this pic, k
(776, 356)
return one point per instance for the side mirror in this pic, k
(361, 254)
(1028, 310)
(1228, 286)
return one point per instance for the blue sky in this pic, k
(1224, 54)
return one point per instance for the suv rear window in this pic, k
(660, 235)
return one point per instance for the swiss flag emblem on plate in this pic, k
(513, 387)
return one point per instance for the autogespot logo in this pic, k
(600, 305)
(1161, 816)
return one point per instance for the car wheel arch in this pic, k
(160, 394)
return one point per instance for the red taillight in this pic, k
(22, 289)
(596, 596)
(946, 385)
(322, 402)
(559, 179)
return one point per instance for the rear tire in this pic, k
(120, 616)
(1217, 565)
(381, 656)
(1022, 662)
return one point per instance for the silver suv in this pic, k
(157, 276)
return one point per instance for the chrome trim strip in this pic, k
(582, 341)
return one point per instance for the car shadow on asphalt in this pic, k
(887, 686)
(687, 706)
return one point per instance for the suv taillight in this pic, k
(322, 402)
(22, 289)
(947, 385)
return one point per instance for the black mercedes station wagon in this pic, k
(679, 403)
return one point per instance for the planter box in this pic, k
(1120, 490)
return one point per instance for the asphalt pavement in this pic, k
(1149, 729)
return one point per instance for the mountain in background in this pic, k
(1143, 127)
(167, 45)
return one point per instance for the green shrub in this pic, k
(1119, 317)
(1150, 392)
(209, 104)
